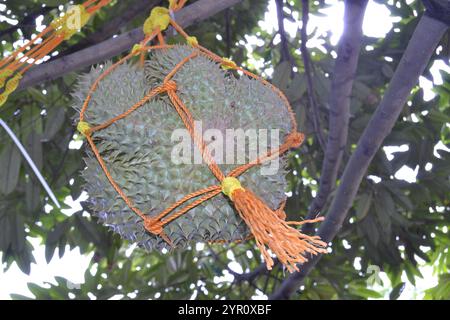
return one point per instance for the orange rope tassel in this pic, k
(272, 232)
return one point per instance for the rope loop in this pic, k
(153, 226)
(295, 139)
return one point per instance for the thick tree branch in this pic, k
(417, 55)
(191, 14)
(339, 101)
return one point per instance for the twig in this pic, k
(285, 54)
(313, 106)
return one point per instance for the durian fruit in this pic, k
(137, 150)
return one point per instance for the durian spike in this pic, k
(274, 233)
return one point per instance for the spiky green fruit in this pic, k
(138, 149)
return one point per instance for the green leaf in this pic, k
(364, 292)
(32, 195)
(370, 229)
(34, 149)
(55, 120)
(363, 205)
(50, 248)
(397, 291)
(38, 291)
(55, 239)
(9, 168)
(37, 95)
(15, 296)
(297, 87)
(282, 74)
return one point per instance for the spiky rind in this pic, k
(137, 150)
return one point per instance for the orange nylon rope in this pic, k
(14, 66)
(267, 226)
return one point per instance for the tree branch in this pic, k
(308, 72)
(285, 54)
(419, 51)
(339, 101)
(107, 49)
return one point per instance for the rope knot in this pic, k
(228, 64)
(192, 41)
(170, 85)
(153, 226)
(230, 185)
(137, 48)
(159, 18)
(295, 139)
(84, 128)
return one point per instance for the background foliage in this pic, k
(393, 224)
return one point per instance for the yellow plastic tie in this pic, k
(136, 49)
(159, 18)
(192, 41)
(13, 83)
(74, 19)
(173, 4)
(229, 185)
(3, 98)
(83, 127)
(4, 74)
(228, 64)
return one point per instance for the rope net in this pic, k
(14, 66)
(269, 227)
